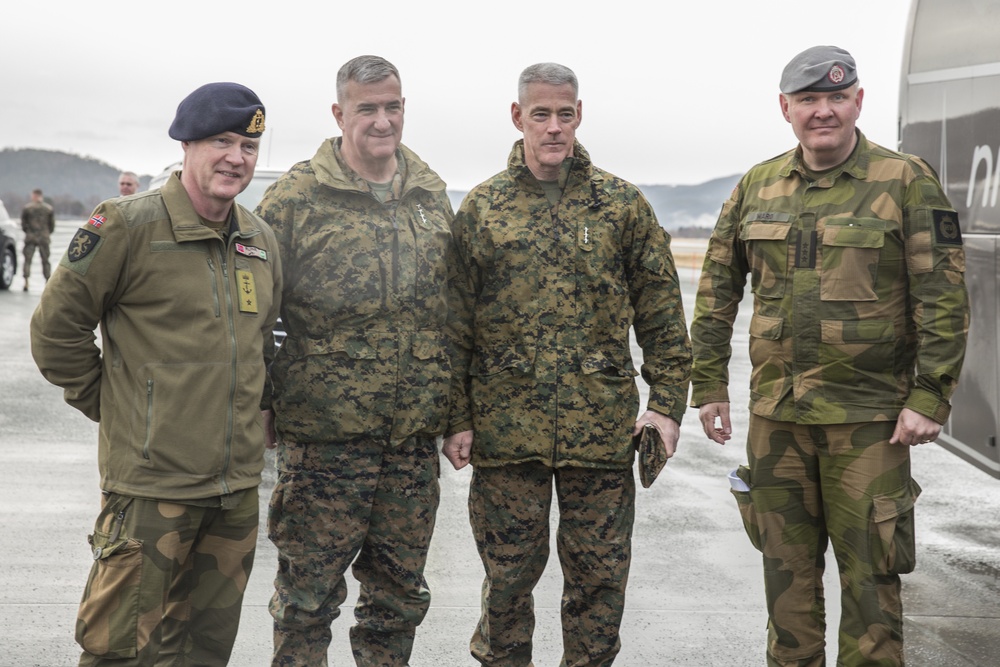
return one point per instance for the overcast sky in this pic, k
(682, 95)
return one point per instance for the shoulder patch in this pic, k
(946, 228)
(83, 244)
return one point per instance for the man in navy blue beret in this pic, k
(185, 285)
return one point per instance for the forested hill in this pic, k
(76, 184)
(71, 183)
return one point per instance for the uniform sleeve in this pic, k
(462, 290)
(935, 260)
(267, 327)
(660, 327)
(720, 290)
(82, 289)
(278, 211)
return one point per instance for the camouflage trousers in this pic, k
(358, 501)
(844, 484)
(509, 513)
(167, 583)
(29, 254)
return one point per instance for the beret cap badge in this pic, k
(256, 125)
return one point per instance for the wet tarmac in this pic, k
(695, 595)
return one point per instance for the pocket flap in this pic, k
(768, 328)
(494, 361)
(598, 362)
(765, 231)
(891, 505)
(355, 346)
(854, 233)
(428, 345)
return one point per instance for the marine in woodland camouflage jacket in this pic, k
(365, 301)
(860, 306)
(553, 292)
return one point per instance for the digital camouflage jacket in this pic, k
(860, 307)
(553, 293)
(38, 221)
(365, 305)
(186, 327)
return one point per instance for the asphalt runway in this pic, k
(695, 595)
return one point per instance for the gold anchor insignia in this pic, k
(248, 299)
(256, 123)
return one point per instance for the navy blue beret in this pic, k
(819, 69)
(216, 108)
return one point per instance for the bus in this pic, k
(949, 114)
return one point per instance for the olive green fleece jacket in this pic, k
(186, 328)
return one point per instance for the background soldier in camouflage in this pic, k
(559, 260)
(361, 383)
(38, 221)
(857, 338)
(185, 286)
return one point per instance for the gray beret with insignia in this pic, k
(216, 108)
(819, 69)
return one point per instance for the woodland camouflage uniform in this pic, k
(860, 310)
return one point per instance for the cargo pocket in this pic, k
(891, 536)
(107, 622)
(747, 511)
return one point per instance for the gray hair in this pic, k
(364, 69)
(553, 74)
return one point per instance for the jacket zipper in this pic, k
(228, 449)
(149, 418)
(215, 286)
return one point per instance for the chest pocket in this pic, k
(851, 249)
(767, 253)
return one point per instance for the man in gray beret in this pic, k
(857, 339)
(185, 285)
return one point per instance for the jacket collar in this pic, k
(856, 164)
(185, 221)
(580, 167)
(332, 171)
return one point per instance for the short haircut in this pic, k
(131, 174)
(553, 74)
(364, 69)
(36, 191)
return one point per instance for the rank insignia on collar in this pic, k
(83, 244)
(251, 251)
(97, 221)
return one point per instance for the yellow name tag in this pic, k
(247, 290)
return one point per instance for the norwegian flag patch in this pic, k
(97, 221)
(251, 251)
